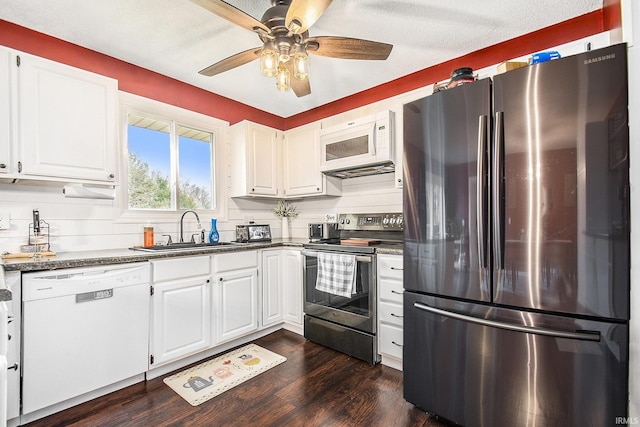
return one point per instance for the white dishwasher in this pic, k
(84, 329)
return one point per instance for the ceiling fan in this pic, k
(286, 44)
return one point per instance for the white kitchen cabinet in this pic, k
(390, 310)
(235, 294)
(292, 273)
(255, 160)
(13, 281)
(181, 308)
(67, 122)
(399, 135)
(272, 286)
(301, 158)
(281, 286)
(5, 109)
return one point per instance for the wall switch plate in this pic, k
(5, 220)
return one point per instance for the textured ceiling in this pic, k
(178, 38)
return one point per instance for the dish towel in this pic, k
(336, 274)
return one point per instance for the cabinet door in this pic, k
(292, 277)
(302, 174)
(5, 104)
(272, 287)
(236, 303)
(181, 318)
(263, 160)
(67, 121)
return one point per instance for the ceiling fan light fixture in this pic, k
(283, 79)
(285, 52)
(301, 64)
(268, 60)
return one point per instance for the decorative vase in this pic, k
(213, 234)
(285, 227)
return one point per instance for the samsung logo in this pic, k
(599, 59)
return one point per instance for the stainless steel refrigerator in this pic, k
(516, 253)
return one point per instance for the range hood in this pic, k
(353, 172)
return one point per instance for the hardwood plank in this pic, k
(316, 386)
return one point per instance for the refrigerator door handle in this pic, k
(586, 336)
(498, 256)
(481, 168)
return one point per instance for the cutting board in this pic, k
(27, 255)
(359, 242)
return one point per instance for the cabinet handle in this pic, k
(396, 292)
(14, 367)
(396, 268)
(111, 176)
(10, 319)
(395, 343)
(399, 180)
(8, 337)
(3, 165)
(396, 315)
(221, 279)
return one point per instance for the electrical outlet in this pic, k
(5, 220)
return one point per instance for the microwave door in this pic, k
(348, 147)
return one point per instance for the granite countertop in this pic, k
(122, 256)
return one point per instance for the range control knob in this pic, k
(385, 221)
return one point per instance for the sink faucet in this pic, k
(182, 222)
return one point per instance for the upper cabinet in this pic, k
(5, 109)
(66, 122)
(301, 155)
(269, 163)
(255, 159)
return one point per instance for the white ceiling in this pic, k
(178, 38)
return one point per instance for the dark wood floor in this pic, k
(316, 386)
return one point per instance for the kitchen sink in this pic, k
(180, 246)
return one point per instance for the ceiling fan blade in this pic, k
(304, 13)
(233, 15)
(300, 87)
(348, 48)
(232, 62)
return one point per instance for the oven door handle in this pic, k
(359, 258)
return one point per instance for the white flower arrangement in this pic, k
(285, 210)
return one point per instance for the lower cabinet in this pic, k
(235, 294)
(181, 308)
(281, 286)
(272, 286)
(390, 332)
(292, 273)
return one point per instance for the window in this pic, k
(170, 159)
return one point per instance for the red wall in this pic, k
(152, 85)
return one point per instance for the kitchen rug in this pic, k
(213, 377)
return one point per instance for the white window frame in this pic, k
(130, 103)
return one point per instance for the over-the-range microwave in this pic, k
(366, 145)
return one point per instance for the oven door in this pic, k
(357, 311)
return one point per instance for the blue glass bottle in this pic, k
(213, 234)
